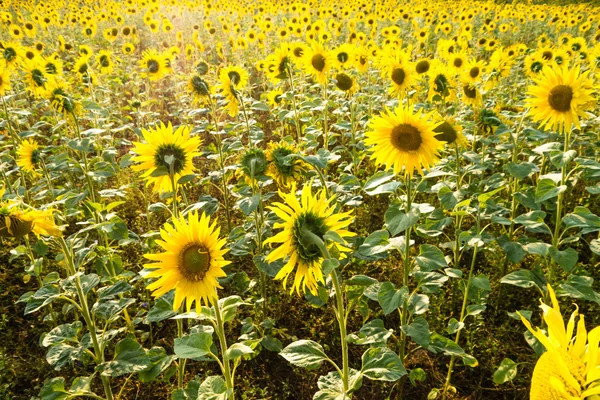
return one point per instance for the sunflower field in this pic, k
(294, 200)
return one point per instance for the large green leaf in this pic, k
(304, 353)
(194, 345)
(381, 363)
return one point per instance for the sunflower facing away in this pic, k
(192, 261)
(570, 367)
(28, 154)
(16, 221)
(285, 164)
(401, 139)
(313, 213)
(163, 148)
(560, 97)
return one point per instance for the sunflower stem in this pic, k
(406, 269)
(86, 167)
(221, 164)
(342, 322)
(85, 311)
(181, 363)
(220, 329)
(13, 135)
(325, 117)
(296, 120)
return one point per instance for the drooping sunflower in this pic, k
(17, 220)
(236, 76)
(165, 148)
(192, 262)
(28, 155)
(153, 65)
(253, 165)
(569, 367)
(285, 164)
(61, 100)
(346, 83)
(199, 89)
(231, 94)
(451, 132)
(278, 63)
(560, 96)
(402, 139)
(470, 94)
(313, 213)
(442, 85)
(317, 61)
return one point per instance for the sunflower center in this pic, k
(406, 137)
(104, 61)
(309, 252)
(35, 157)
(342, 57)
(51, 69)
(298, 52)
(318, 62)
(398, 76)
(194, 262)
(474, 72)
(445, 132)
(234, 76)
(83, 68)
(547, 55)
(170, 154)
(422, 66)
(537, 66)
(560, 98)
(458, 62)
(15, 227)
(343, 82)
(470, 91)
(38, 77)
(152, 66)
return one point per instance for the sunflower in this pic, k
(5, 83)
(285, 164)
(36, 77)
(278, 63)
(473, 72)
(192, 262)
(569, 367)
(533, 64)
(451, 132)
(12, 53)
(153, 65)
(60, 100)
(236, 76)
(402, 139)
(28, 154)
(346, 83)
(470, 94)
(344, 56)
(317, 61)
(253, 165)
(17, 221)
(441, 83)
(165, 149)
(229, 91)
(560, 97)
(199, 89)
(82, 66)
(105, 61)
(313, 213)
(275, 97)
(128, 48)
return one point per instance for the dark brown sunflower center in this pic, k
(343, 82)
(406, 137)
(474, 72)
(560, 98)
(104, 61)
(398, 76)
(342, 57)
(298, 52)
(445, 132)
(318, 62)
(194, 262)
(153, 66)
(422, 66)
(15, 227)
(547, 55)
(458, 62)
(470, 91)
(9, 54)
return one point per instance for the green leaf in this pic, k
(379, 183)
(159, 361)
(129, 357)
(62, 333)
(579, 287)
(417, 375)
(332, 387)
(304, 353)
(249, 204)
(561, 159)
(195, 345)
(522, 170)
(447, 346)
(565, 258)
(484, 197)
(162, 309)
(389, 298)
(448, 198)
(454, 326)
(42, 297)
(107, 310)
(376, 246)
(237, 350)
(430, 258)
(418, 304)
(418, 331)
(514, 250)
(506, 372)
(547, 189)
(54, 389)
(373, 332)
(108, 292)
(525, 279)
(382, 364)
(213, 388)
(397, 221)
(62, 354)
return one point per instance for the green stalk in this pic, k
(87, 316)
(406, 270)
(296, 120)
(220, 330)
(325, 117)
(221, 165)
(342, 318)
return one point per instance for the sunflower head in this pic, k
(191, 263)
(253, 164)
(315, 215)
(166, 156)
(404, 140)
(450, 131)
(345, 83)
(16, 222)
(199, 89)
(28, 155)
(285, 164)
